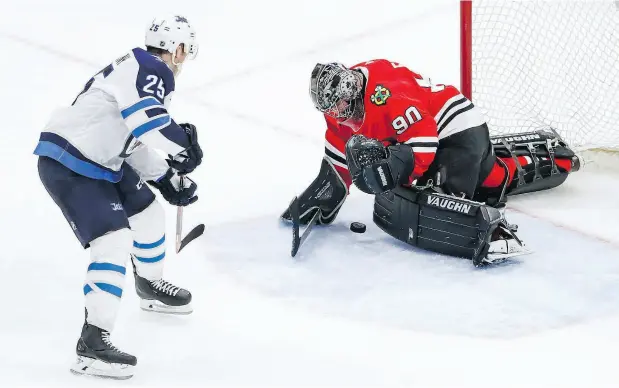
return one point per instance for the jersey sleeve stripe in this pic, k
(337, 163)
(419, 144)
(335, 157)
(454, 115)
(422, 140)
(470, 119)
(152, 112)
(448, 105)
(143, 104)
(334, 150)
(155, 124)
(424, 150)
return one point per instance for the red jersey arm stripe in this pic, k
(336, 156)
(335, 149)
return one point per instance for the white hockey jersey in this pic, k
(121, 115)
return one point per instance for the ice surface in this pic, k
(372, 277)
(352, 310)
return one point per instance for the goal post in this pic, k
(536, 64)
(466, 48)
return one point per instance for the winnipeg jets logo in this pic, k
(449, 204)
(140, 183)
(135, 143)
(131, 145)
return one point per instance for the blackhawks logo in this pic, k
(380, 96)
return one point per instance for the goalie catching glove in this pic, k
(375, 168)
(326, 193)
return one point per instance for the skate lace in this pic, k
(105, 336)
(166, 287)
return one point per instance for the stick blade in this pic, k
(192, 235)
(294, 217)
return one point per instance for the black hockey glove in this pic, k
(187, 160)
(375, 168)
(169, 186)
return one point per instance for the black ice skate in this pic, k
(97, 356)
(504, 244)
(162, 296)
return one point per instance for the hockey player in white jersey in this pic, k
(94, 159)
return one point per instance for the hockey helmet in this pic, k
(168, 32)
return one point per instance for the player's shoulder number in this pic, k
(151, 81)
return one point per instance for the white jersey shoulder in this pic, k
(122, 109)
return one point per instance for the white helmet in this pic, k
(167, 33)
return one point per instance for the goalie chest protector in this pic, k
(436, 222)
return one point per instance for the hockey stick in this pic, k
(295, 217)
(192, 235)
(179, 226)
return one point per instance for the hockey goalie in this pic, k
(424, 151)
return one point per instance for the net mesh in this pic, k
(538, 64)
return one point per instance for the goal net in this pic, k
(537, 64)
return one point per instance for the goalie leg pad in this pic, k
(437, 222)
(327, 192)
(551, 160)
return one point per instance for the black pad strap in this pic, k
(509, 148)
(551, 152)
(537, 176)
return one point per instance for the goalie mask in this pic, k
(334, 90)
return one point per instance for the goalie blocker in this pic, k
(446, 224)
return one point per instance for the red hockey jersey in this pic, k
(402, 105)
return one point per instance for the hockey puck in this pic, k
(357, 227)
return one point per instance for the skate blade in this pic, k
(501, 257)
(158, 307)
(97, 368)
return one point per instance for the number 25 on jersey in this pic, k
(152, 80)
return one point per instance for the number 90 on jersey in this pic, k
(403, 122)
